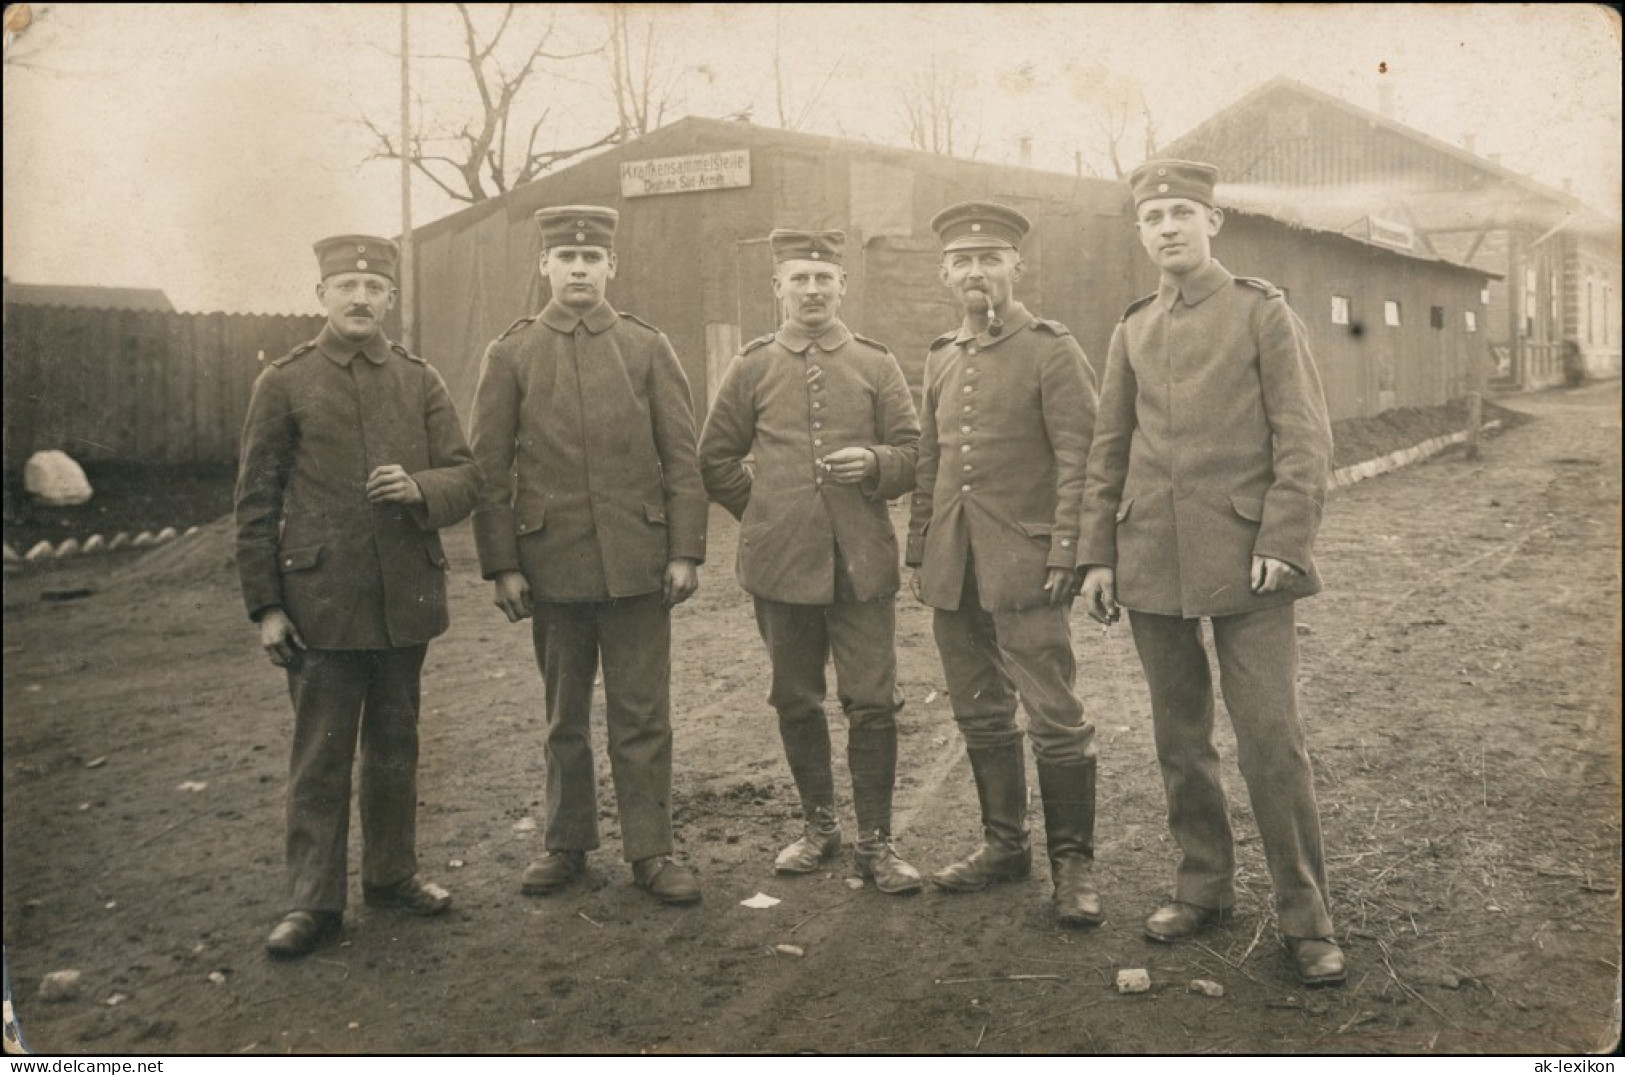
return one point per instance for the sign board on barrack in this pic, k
(720, 170)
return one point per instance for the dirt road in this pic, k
(1460, 683)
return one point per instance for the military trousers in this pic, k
(632, 638)
(1258, 661)
(990, 659)
(860, 637)
(335, 694)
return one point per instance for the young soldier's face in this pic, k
(982, 280)
(356, 303)
(1178, 233)
(810, 292)
(579, 274)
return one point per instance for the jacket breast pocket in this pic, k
(1036, 530)
(300, 559)
(436, 554)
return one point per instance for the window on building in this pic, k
(1340, 309)
(1436, 316)
(1470, 317)
(1555, 294)
(1484, 297)
(1390, 312)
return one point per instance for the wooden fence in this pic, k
(135, 385)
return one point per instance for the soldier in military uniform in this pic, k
(352, 459)
(1005, 427)
(830, 424)
(1206, 479)
(592, 524)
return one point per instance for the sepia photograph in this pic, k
(905, 530)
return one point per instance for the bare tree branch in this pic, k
(488, 159)
(930, 103)
(778, 67)
(642, 87)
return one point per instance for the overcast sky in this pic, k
(202, 149)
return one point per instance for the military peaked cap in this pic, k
(357, 253)
(577, 225)
(791, 245)
(1173, 179)
(978, 225)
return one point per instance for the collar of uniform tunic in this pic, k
(561, 318)
(794, 340)
(1196, 288)
(341, 350)
(1016, 317)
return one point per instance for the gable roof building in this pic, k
(1297, 152)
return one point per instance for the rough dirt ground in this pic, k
(1460, 681)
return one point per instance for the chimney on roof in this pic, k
(1385, 99)
(1469, 142)
(1024, 149)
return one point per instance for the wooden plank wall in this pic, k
(135, 385)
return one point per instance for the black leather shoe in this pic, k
(552, 872)
(300, 932)
(1317, 960)
(665, 880)
(1182, 921)
(410, 896)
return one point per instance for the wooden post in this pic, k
(1475, 415)
(407, 269)
(1477, 375)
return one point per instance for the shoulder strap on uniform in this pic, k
(760, 341)
(1053, 327)
(517, 325)
(404, 353)
(1136, 304)
(639, 320)
(876, 344)
(945, 338)
(1270, 290)
(295, 353)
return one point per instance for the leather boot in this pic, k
(806, 748)
(879, 861)
(1069, 827)
(871, 756)
(1005, 854)
(819, 841)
